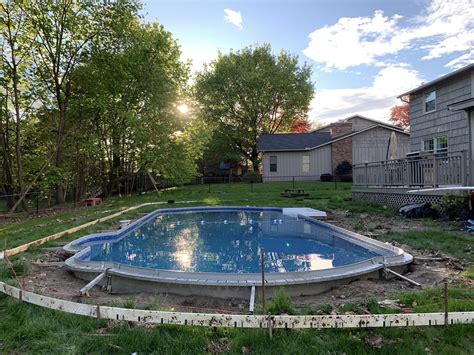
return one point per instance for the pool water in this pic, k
(230, 242)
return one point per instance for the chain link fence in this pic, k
(36, 201)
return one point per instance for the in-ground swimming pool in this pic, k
(220, 247)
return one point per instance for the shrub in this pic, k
(327, 177)
(451, 206)
(251, 176)
(344, 168)
(280, 303)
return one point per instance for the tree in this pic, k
(17, 101)
(300, 125)
(124, 107)
(250, 92)
(400, 115)
(62, 31)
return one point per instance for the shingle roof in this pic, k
(292, 141)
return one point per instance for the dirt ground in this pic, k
(49, 277)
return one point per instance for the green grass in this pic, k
(322, 196)
(29, 329)
(455, 244)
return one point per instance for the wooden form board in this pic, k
(25, 247)
(237, 320)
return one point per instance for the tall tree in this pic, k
(16, 60)
(62, 31)
(400, 115)
(251, 92)
(125, 103)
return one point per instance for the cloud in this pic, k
(445, 27)
(373, 101)
(233, 17)
(461, 61)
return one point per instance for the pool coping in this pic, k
(75, 263)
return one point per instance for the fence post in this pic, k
(446, 319)
(74, 193)
(435, 172)
(262, 256)
(293, 182)
(464, 171)
(37, 202)
(366, 174)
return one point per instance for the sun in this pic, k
(183, 108)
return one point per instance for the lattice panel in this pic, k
(394, 200)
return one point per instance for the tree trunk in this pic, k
(7, 171)
(255, 159)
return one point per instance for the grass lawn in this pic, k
(28, 329)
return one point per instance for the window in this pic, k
(441, 144)
(438, 144)
(305, 163)
(273, 163)
(428, 144)
(430, 101)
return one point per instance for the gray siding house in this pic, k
(441, 145)
(441, 115)
(306, 156)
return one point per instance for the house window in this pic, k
(428, 145)
(305, 163)
(441, 144)
(273, 163)
(430, 101)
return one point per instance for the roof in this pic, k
(441, 78)
(377, 122)
(462, 105)
(292, 141)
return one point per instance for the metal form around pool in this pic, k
(127, 278)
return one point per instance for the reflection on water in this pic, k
(202, 242)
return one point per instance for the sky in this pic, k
(363, 53)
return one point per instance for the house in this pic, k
(306, 156)
(441, 114)
(441, 144)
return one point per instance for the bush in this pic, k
(327, 177)
(280, 303)
(344, 168)
(251, 176)
(451, 206)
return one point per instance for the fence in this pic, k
(37, 201)
(420, 171)
(240, 320)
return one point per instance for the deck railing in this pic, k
(433, 170)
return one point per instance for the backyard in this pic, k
(444, 251)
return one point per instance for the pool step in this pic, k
(304, 211)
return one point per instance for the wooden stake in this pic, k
(263, 279)
(446, 319)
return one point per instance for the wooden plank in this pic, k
(239, 321)
(25, 247)
(95, 281)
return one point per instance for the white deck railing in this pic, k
(418, 171)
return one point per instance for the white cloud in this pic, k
(373, 101)
(445, 27)
(233, 17)
(461, 61)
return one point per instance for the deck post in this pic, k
(366, 175)
(435, 172)
(464, 171)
